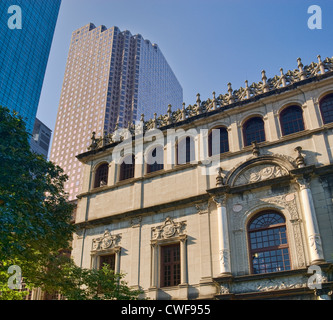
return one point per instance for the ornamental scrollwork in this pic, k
(260, 173)
(106, 241)
(169, 229)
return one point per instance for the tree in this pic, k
(36, 228)
(35, 215)
(77, 283)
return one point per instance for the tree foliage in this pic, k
(93, 284)
(35, 225)
(35, 215)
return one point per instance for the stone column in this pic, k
(154, 264)
(222, 224)
(135, 247)
(311, 224)
(183, 260)
(183, 286)
(117, 251)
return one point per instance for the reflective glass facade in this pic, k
(24, 54)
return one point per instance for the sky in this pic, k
(207, 43)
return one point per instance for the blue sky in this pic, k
(207, 43)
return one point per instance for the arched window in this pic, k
(185, 150)
(127, 168)
(268, 243)
(253, 130)
(155, 160)
(326, 108)
(218, 141)
(291, 120)
(101, 175)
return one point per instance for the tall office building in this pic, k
(26, 33)
(111, 77)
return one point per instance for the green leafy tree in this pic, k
(35, 215)
(36, 228)
(91, 284)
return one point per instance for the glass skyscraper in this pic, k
(24, 53)
(111, 77)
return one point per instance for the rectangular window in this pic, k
(109, 260)
(170, 265)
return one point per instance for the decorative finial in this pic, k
(231, 98)
(283, 78)
(198, 104)
(105, 137)
(169, 114)
(255, 149)
(300, 161)
(183, 112)
(264, 81)
(214, 101)
(247, 90)
(93, 144)
(320, 64)
(219, 178)
(300, 67)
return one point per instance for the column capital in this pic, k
(303, 181)
(220, 200)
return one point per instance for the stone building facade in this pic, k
(230, 198)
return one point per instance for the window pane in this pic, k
(170, 265)
(101, 176)
(254, 130)
(326, 108)
(268, 243)
(291, 120)
(155, 160)
(185, 150)
(218, 141)
(127, 168)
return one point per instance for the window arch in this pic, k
(185, 150)
(218, 141)
(127, 168)
(155, 160)
(326, 108)
(291, 120)
(253, 130)
(268, 243)
(101, 175)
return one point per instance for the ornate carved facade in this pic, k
(248, 223)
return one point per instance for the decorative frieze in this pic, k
(260, 173)
(264, 285)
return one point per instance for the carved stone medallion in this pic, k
(107, 241)
(168, 229)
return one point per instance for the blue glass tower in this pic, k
(25, 40)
